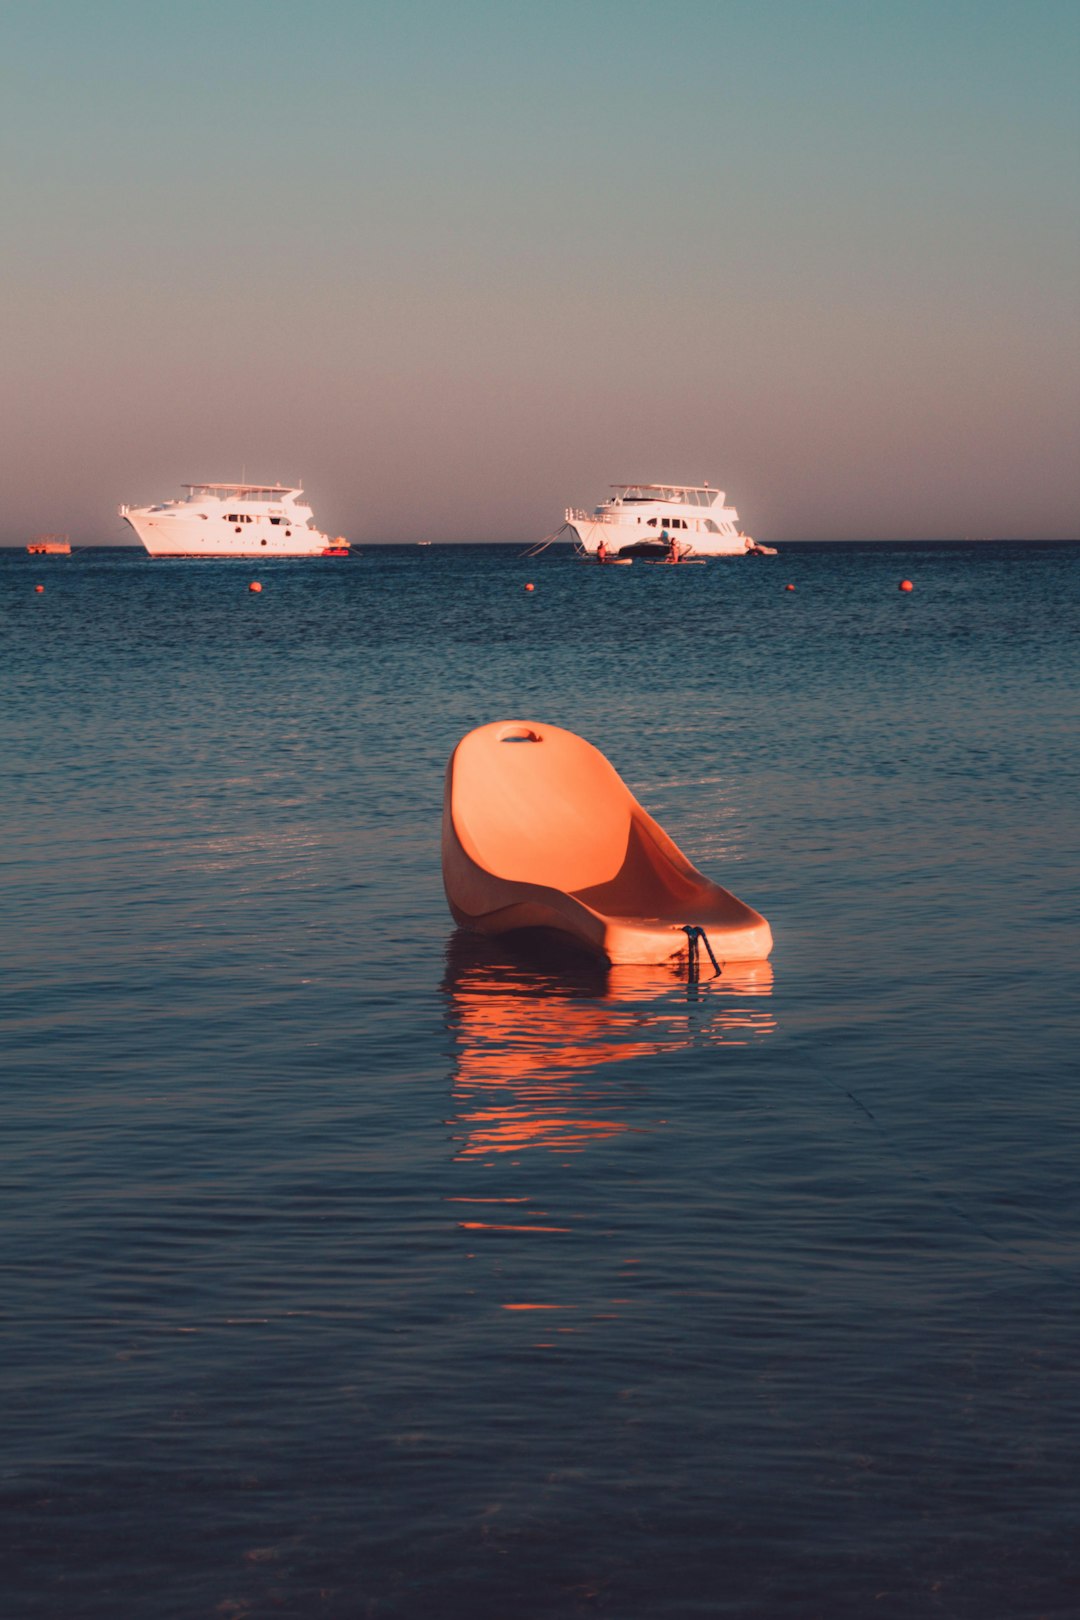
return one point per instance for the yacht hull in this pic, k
(617, 535)
(177, 537)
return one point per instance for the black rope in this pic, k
(695, 935)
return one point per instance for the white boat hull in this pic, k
(184, 537)
(617, 535)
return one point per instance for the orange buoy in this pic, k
(789, 587)
(254, 586)
(530, 587)
(39, 589)
(906, 585)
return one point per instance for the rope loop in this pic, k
(696, 935)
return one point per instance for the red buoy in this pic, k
(254, 586)
(789, 587)
(906, 585)
(530, 587)
(39, 589)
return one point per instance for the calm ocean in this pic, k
(355, 1270)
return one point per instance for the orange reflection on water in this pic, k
(487, 1200)
(529, 1306)
(503, 1226)
(534, 1036)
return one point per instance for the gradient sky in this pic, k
(457, 265)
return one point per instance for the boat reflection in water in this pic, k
(535, 1031)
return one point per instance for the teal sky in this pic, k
(456, 266)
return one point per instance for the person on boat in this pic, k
(672, 548)
(601, 552)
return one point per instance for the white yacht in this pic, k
(232, 520)
(655, 519)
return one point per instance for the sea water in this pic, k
(356, 1268)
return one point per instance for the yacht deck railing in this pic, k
(575, 514)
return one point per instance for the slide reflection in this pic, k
(534, 1033)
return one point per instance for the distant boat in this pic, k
(50, 545)
(691, 520)
(232, 520)
(540, 831)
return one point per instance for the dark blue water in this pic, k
(352, 1268)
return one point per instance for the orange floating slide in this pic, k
(540, 831)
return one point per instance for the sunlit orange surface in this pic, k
(540, 831)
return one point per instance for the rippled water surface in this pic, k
(356, 1268)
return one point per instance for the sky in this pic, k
(455, 265)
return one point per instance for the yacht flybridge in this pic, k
(232, 520)
(662, 521)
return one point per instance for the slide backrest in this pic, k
(535, 804)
